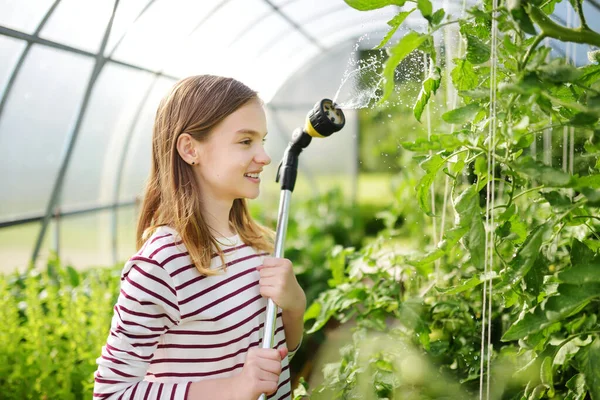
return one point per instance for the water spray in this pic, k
(322, 121)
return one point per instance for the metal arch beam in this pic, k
(72, 136)
(146, 8)
(49, 43)
(270, 44)
(17, 67)
(307, 35)
(65, 213)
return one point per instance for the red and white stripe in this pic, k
(173, 326)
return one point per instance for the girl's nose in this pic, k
(262, 157)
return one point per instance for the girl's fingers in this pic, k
(272, 282)
(283, 351)
(266, 272)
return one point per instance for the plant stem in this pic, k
(530, 50)
(517, 196)
(527, 191)
(587, 216)
(550, 28)
(592, 230)
(579, 9)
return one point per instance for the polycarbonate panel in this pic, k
(137, 160)
(16, 246)
(157, 34)
(39, 112)
(283, 3)
(10, 51)
(126, 232)
(376, 29)
(23, 15)
(86, 240)
(91, 175)
(204, 52)
(312, 10)
(272, 67)
(127, 12)
(246, 60)
(79, 23)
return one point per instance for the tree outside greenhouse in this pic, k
(480, 278)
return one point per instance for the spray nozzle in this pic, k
(324, 119)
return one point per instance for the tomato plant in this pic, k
(542, 258)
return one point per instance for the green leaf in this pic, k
(569, 349)
(530, 323)
(546, 374)
(431, 84)
(559, 73)
(474, 241)
(336, 261)
(462, 114)
(431, 165)
(425, 7)
(521, 17)
(403, 48)
(582, 255)
(438, 16)
(463, 75)
(570, 298)
(477, 51)
(587, 182)
(584, 119)
(544, 174)
(312, 312)
(436, 142)
(526, 256)
(557, 199)
(394, 23)
(577, 385)
(366, 5)
(581, 274)
(468, 284)
(589, 361)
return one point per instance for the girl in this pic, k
(190, 315)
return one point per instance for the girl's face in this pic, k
(231, 160)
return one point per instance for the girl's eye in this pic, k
(246, 141)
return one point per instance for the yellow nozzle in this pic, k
(324, 119)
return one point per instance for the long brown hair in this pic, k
(194, 105)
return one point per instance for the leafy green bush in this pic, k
(54, 325)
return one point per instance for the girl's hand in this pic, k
(260, 373)
(278, 282)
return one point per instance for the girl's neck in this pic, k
(216, 214)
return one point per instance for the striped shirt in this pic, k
(173, 326)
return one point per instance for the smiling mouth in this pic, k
(253, 176)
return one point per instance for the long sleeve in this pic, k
(146, 308)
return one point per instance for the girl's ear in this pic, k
(187, 149)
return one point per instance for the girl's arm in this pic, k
(147, 306)
(293, 325)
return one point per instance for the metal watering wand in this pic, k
(324, 119)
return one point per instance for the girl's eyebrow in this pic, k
(251, 132)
